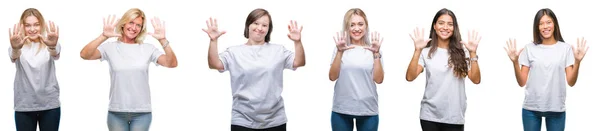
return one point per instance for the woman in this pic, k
(256, 69)
(447, 64)
(543, 66)
(129, 58)
(357, 68)
(34, 48)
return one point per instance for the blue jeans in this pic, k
(129, 121)
(28, 121)
(532, 120)
(343, 122)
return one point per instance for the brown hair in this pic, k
(537, 36)
(457, 53)
(255, 15)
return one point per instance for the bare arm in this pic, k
(16, 53)
(168, 59)
(213, 57)
(474, 74)
(377, 69)
(299, 60)
(572, 73)
(521, 73)
(414, 69)
(90, 51)
(334, 70)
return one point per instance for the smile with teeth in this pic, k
(131, 31)
(356, 32)
(444, 33)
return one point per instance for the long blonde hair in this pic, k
(347, 20)
(130, 15)
(37, 14)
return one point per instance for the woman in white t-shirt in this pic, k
(543, 66)
(128, 59)
(356, 67)
(34, 48)
(447, 64)
(256, 70)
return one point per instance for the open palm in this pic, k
(581, 49)
(419, 39)
(159, 29)
(51, 38)
(511, 50)
(473, 41)
(376, 41)
(295, 32)
(213, 29)
(109, 27)
(16, 38)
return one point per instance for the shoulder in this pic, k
(564, 45)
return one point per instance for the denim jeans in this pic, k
(28, 121)
(532, 120)
(129, 121)
(343, 122)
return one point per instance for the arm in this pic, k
(521, 73)
(90, 51)
(414, 69)
(168, 59)
(299, 60)
(572, 73)
(474, 74)
(213, 57)
(334, 70)
(53, 52)
(377, 69)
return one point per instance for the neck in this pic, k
(128, 40)
(441, 43)
(251, 42)
(549, 41)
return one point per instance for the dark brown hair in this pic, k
(255, 15)
(457, 58)
(537, 36)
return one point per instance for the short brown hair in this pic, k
(255, 15)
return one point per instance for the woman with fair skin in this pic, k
(543, 67)
(256, 70)
(129, 57)
(447, 64)
(34, 48)
(356, 68)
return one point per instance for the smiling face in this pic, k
(546, 27)
(132, 29)
(357, 27)
(33, 27)
(257, 31)
(444, 27)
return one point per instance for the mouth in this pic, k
(131, 31)
(444, 33)
(356, 33)
(546, 32)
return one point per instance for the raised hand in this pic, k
(159, 29)
(473, 41)
(109, 27)
(340, 42)
(376, 41)
(419, 39)
(511, 50)
(295, 32)
(51, 38)
(16, 40)
(213, 29)
(581, 49)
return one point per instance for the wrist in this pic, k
(376, 56)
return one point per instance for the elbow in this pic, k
(409, 78)
(571, 84)
(298, 64)
(332, 78)
(379, 81)
(521, 84)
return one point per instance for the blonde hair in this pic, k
(347, 23)
(37, 14)
(130, 15)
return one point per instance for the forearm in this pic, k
(52, 50)
(474, 73)
(334, 70)
(377, 71)
(517, 69)
(299, 60)
(91, 47)
(573, 74)
(412, 72)
(16, 53)
(170, 55)
(213, 56)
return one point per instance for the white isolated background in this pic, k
(192, 97)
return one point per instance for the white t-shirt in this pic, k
(256, 73)
(355, 92)
(546, 85)
(35, 87)
(445, 100)
(129, 89)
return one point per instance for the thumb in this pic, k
(205, 30)
(223, 32)
(26, 38)
(41, 37)
(520, 50)
(427, 41)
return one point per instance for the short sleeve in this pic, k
(156, 53)
(289, 58)
(58, 49)
(524, 57)
(226, 58)
(570, 57)
(102, 49)
(422, 58)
